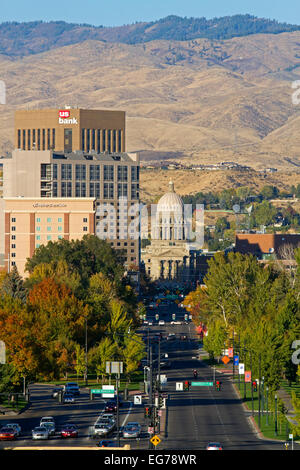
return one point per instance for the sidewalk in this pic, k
(287, 400)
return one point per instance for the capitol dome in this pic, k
(171, 201)
(170, 216)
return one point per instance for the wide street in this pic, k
(193, 419)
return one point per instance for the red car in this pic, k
(69, 430)
(7, 434)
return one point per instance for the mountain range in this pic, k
(203, 99)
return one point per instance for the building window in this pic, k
(37, 245)
(59, 228)
(59, 237)
(135, 173)
(13, 237)
(19, 138)
(85, 219)
(53, 139)
(59, 219)
(66, 171)
(122, 190)
(82, 139)
(135, 193)
(13, 229)
(54, 190)
(13, 255)
(13, 263)
(120, 140)
(108, 173)
(94, 172)
(122, 173)
(13, 219)
(38, 237)
(80, 172)
(49, 229)
(108, 191)
(49, 237)
(49, 219)
(103, 140)
(38, 229)
(54, 171)
(13, 246)
(85, 229)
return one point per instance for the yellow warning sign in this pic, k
(155, 440)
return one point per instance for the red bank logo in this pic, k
(64, 113)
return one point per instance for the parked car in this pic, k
(214, 446)
(15, 426)
(68, 398)
(132, 430)
(69, 430)
(8, 434)
(40, 432)
(161, 322)
(46, 419)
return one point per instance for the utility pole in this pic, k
(259, 389)
(118, 419)
(151, 391)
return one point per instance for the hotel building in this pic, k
(72, 171)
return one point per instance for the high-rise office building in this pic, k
(70, 129)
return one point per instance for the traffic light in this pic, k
(254, 386)
(218, 385)
(186, 385)
(147, 412)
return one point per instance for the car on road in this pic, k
(15, 426)
(161, 322)
(150, 323)
(56, 391)
(40, 432)
(110, 416)
(72, 387)
(111, 406)
(8, 434)
(132, 430)
(171, 337)
(176, 322)
(48, 422)
(165, 364)
(106, 443)
(103, 427)
(69, 430)
(68, 398)
(214, 446)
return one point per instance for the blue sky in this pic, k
(119, 12)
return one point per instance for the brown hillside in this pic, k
(214, 101)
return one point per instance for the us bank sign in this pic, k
(64, 117)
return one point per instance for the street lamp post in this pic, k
(276, 430)
(86, 360)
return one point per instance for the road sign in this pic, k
(225, 359)
(114, 367)
(179, 386)
(137, 399)
(230, 352)
(97, 391)
(236, 360)
(150, 430)
(155, 440)
(202, 384)
(241, 368)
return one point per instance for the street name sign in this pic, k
(202, 384)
